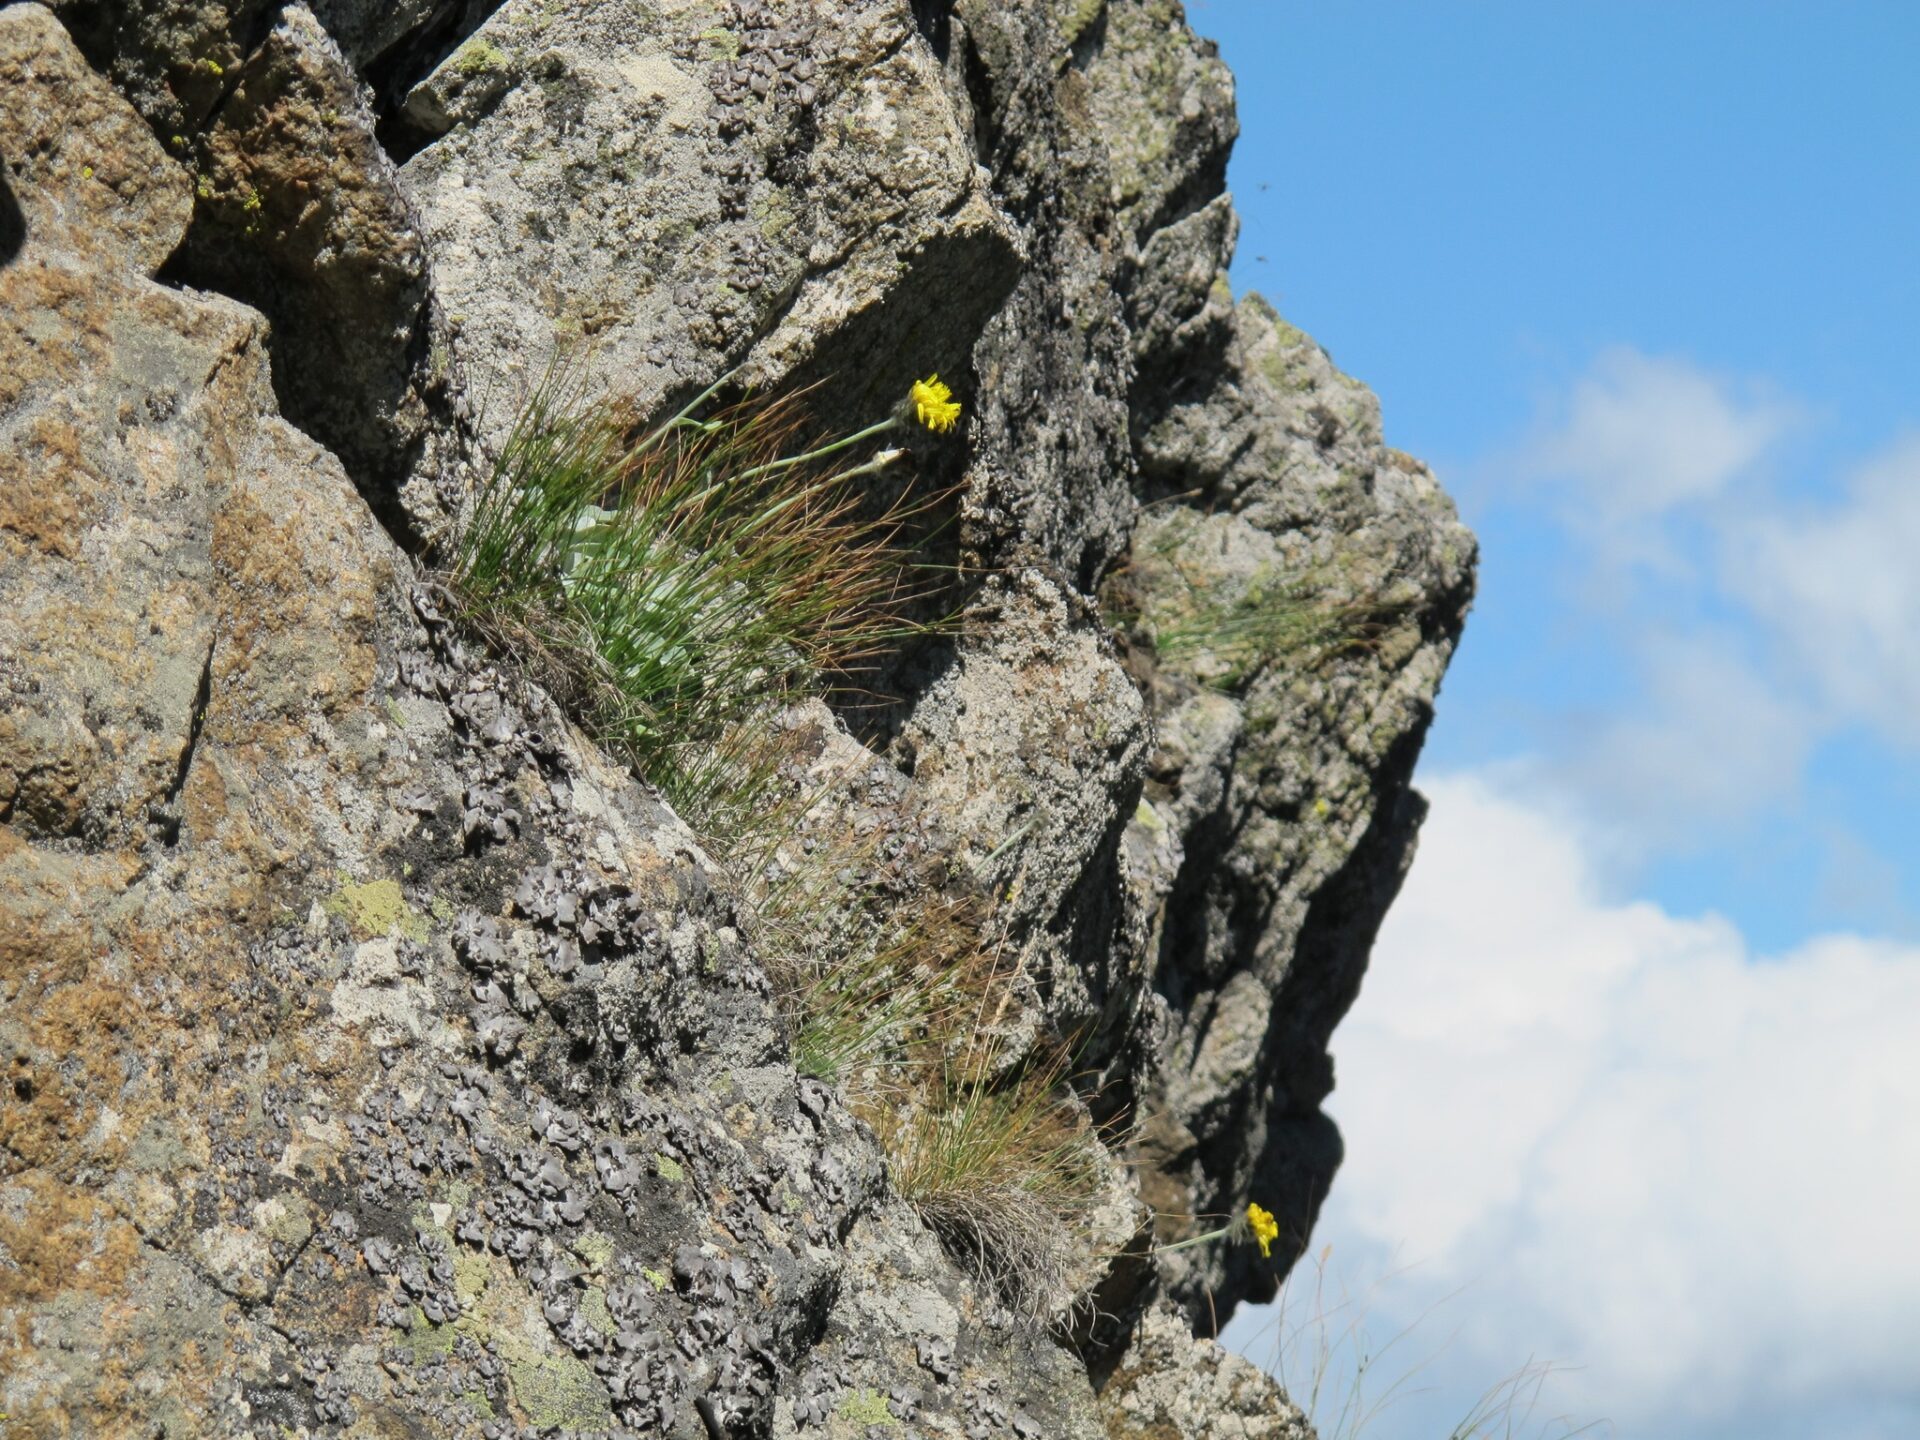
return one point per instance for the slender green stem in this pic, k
(1192, 1240)
(691, 406)
(773, 465)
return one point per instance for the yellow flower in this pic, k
(1265, 1229)
(934, 405)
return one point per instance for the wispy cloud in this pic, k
(1744, 629)
(1639, 436)
(1710, 739)
(1840, 586)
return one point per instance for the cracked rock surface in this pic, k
(382, 1059)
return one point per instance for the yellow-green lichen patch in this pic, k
(426, 1341)
(375, 909)
(478, 56)
(1286, 370)
(594, 1248)
(470, 1275)
(1079, 15)
(773, 214)
(476, 1401)
(668, 1168)
(654, 1278)
(721, 44)
(551, 1388)
(555, 1389)
(593, 1310)
(866, 1407)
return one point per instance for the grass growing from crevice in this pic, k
(866, 972)
(677, 587)
(900, 998)
(1231, 630)
(1001, 1164)
(678, 591)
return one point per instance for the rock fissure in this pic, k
(165, 813)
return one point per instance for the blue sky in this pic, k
(1642, 282)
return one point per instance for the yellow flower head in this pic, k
(934, 405)
(1265, 1229)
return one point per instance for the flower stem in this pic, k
(867, 434)
(1193, 1240)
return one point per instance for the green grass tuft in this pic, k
(897, 996)
(677, 588)
(1227, 630)
(1002, 1166)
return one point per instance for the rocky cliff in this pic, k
(380, 1057)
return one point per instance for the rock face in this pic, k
(382, 1059)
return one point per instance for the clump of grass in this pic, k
(1002, 1166)
(1230, 631)
(897, 996)
(866, 977)
(679, 585)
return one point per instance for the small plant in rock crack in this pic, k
(896, 996)
(864, 964)
(1229, 629)
(675, 587)
(1256, 1226)
(1001, 1162)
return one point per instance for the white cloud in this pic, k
(1841, 585)
(1639, 435)
(1742, 631)
(1711, 738)
(1639, 1147)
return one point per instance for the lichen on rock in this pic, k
(381, 1056)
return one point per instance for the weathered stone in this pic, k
(663, 193)
(1163, 102)
(1180, 307)
(1049, 478)
(382, 1057)
(168, 57)
(87, 177)
(300, 214)
(1167, 1385)
(133, 449)
(1289, 780)
(1032, 743)
(172, 58)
